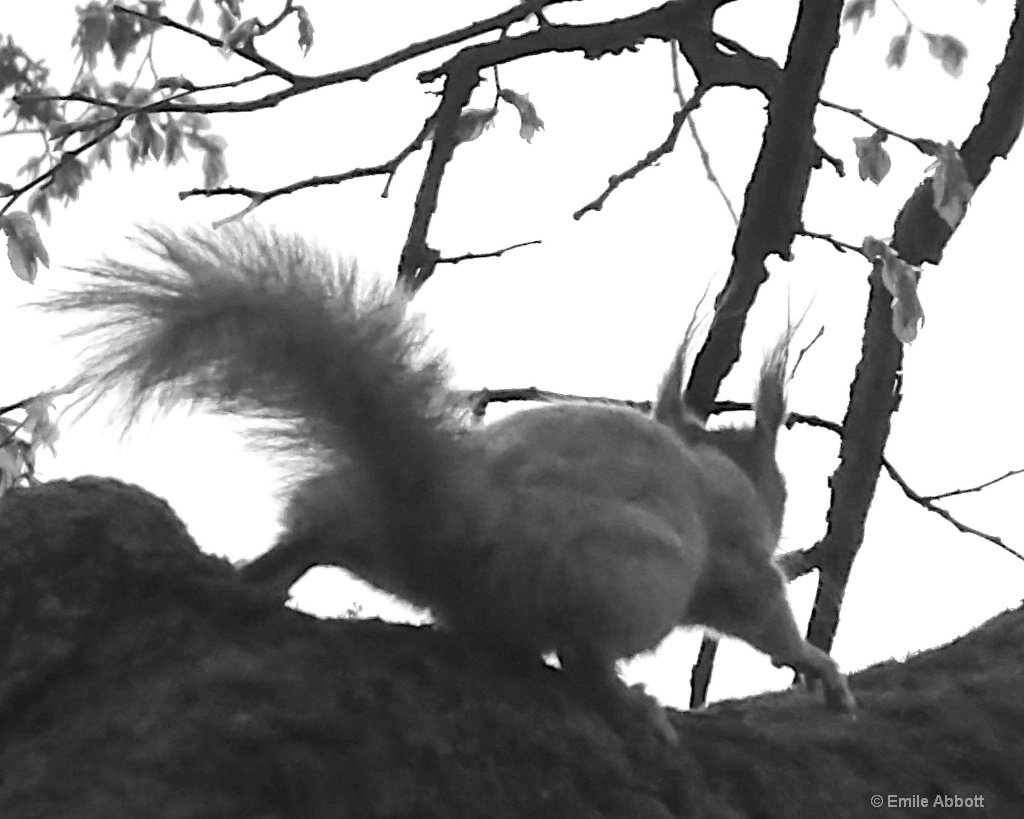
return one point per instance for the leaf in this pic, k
(305, 30)
(124, 36)
(141, 132)
(951, 189)
(41, 429)
(215, 169)
(529, 121)
(24, 246)
(70, 174)
(928, 146)
(174, 148)
(39, 203)
(135, 153)
(179, 83)
(473, 122)
(194, 121)
(901, 279)
(152, 8)
(5, 189)
(873, 248)
(873, 161)
(856, 10)
(948, 50)
(156, 144)
(94, 22)
(11, 465)
(101, 153)
(240, 37)
(195, 13)
(226, 21)
(897, 55)
(31, 105)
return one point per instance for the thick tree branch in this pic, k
(920, 235)
(689, 23)
(775, 196)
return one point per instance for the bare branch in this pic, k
(488, 255)
(953, 493)
(705, 158)
(842, 247)
(257, 198)
(943, 513)
(837, 164)
(678, 119)
(803, 352)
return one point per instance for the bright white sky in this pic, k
(598, 307)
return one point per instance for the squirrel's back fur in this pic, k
(586, 529)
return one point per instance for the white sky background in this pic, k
(599, 306)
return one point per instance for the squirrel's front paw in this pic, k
(838, 696)
(817, 666)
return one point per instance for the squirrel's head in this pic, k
(750, 447)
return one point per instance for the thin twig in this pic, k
(705, 158)
(954, 492)
(842, 247)
(925, 146)
(488, 255)
(803, 352)
(943, 513)
(259, 197)
(650, 159)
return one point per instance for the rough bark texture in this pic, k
(774, 199)
(919, 236)
(140, 678)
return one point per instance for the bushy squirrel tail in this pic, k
(260, 324)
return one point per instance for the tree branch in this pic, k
(249, 54)
(666, 147)
(955, 492)
(920, 235)
(258, 198)
(944, 513)
(775, 195)
(488, 255)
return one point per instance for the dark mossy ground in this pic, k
(140, 678)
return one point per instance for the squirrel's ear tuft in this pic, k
(669, 408)
(770, 398)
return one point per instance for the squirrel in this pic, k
(587, 530)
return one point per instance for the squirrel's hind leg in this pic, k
(594, 675)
